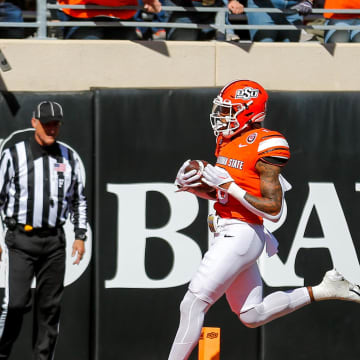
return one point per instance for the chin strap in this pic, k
(239, 194)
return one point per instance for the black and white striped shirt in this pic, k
(40, 186)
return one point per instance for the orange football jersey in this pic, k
(91, 13)
(341, 4)
(239, 157)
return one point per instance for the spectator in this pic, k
(95, 32)
(287, 18)
(193, 17)
(154, 33)
(333, 36)
(311, 33)
(10, 11)
(234, 7)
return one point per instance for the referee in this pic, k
(40, 184)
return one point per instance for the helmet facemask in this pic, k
(224, 117)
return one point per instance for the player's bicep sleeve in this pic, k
(274, 160)
(274, 149)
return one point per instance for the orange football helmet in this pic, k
(238, 104)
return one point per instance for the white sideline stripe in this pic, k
(267, 144)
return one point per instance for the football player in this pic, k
(249, 188)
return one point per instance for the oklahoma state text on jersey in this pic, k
(239, 157)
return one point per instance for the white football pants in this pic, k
(230, 267)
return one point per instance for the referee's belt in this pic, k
(29, 229)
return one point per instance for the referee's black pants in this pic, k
(41, 254)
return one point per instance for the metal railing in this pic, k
(43, 22)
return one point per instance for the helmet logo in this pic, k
(247, 93)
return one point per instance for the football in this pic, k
(199, 165)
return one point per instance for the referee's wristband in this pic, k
(80, 236)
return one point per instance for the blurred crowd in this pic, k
(293, 12)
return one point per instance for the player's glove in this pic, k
(216, 176)
(303, 7)
(187, 179)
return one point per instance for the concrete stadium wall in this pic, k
(54, 65)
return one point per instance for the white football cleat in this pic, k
(335, 286)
